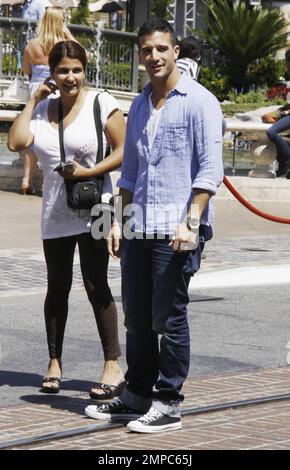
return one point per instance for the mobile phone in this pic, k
(58, 167)
(51, 84)
(64, 166)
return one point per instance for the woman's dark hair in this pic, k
(151, 26)
(189, 47)
(71, 49)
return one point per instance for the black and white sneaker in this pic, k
(114, 410)
(154, 421)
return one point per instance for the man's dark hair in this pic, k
(157, 24)
(189, 47)
(287, 55)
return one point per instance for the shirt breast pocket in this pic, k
(175, 139)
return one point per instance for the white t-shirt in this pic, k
(80, 144)
(153, 122)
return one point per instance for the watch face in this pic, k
(192, 223)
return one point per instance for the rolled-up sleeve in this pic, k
(208, 145)
(129, 170)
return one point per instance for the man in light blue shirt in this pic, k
(33, 10)
(171, 171)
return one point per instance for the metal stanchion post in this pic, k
(234, 153)
(134, 69)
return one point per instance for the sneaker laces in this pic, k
(111, 405)
(150, 416)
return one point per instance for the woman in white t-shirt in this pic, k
(62, 227)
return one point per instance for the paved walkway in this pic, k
(242, 241)
(264, 426)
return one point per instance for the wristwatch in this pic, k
(192, 223)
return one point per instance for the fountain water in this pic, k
(97, 51)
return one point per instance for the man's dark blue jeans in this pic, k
(154, 292)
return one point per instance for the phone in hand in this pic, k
(65, 166)
(50, 83)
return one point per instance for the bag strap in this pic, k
(99, 131)
(98, 126)
(60, 131)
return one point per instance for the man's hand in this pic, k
(184, 239)
(114, 240)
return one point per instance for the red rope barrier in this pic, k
(252, 208)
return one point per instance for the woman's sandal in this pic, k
(109, 391)
(27, 190)
(52, 380)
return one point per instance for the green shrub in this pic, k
(243, 102)
(81, 14)
(215, 81)
(265, 72)
(117, 75)
(258, 96)
(85, 39)
(9, 64)
(261, 75)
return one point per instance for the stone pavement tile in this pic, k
(243, 443)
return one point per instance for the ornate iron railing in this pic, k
(114, 58)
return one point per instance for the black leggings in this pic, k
(94, 259)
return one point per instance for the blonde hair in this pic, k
(50, 30)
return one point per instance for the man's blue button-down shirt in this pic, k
(186, 154)
(33, 10)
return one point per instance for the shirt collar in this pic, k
(181, 86)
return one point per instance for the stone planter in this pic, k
(263, 151)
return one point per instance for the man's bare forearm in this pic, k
(199, 203)
(126, 198)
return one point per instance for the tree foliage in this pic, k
(242, 35)
(81, 15)
(159, 9)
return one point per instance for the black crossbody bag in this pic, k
(84, 194)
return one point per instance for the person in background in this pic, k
(188, 62)
(281, 123)
(51, 30)
(62, 227)
(33, 10)
(189, 56)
